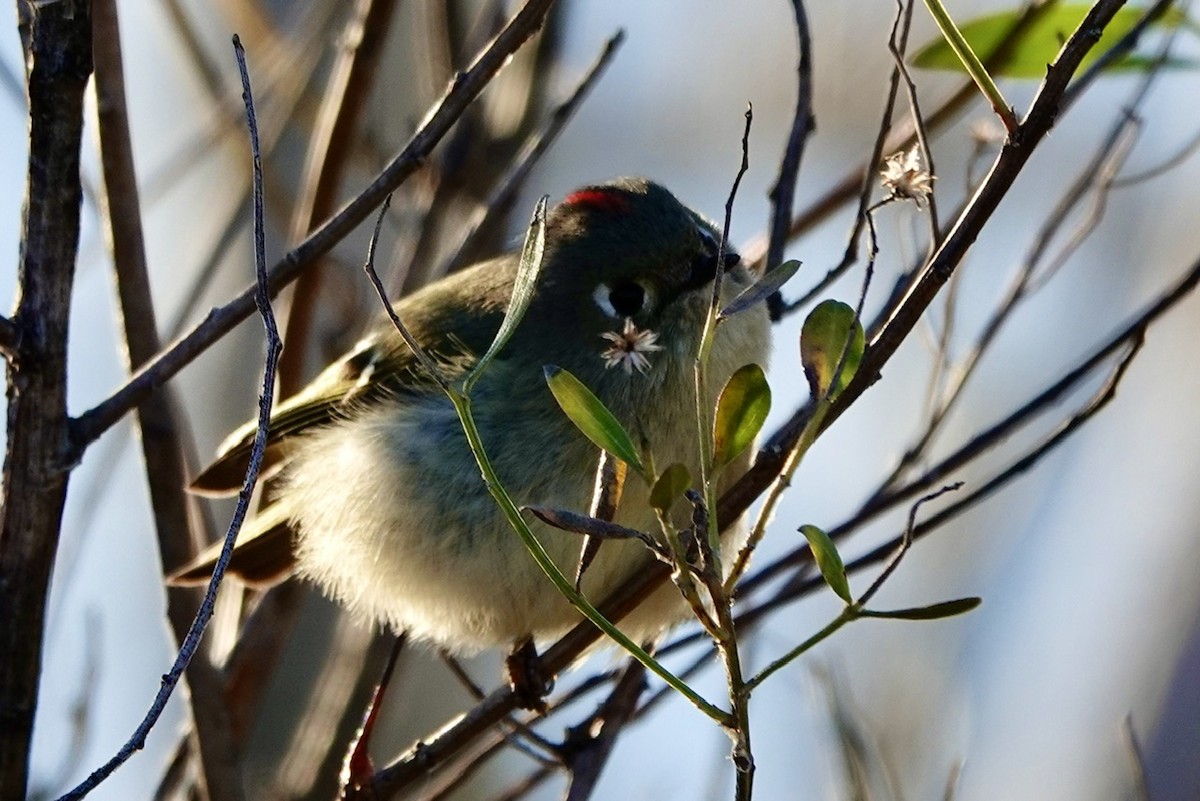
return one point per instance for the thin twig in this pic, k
(516, 732)
(862, 180)
(1176, 159)
(1012, 159)
(457, 736)
(985, 440)
(898, 50)
(192, 641)
(501, 198)
(161, 436)
(784, 192)
(1097, 175)
(906, 542)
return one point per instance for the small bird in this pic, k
(379, 500)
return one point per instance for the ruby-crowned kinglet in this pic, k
(380, 500)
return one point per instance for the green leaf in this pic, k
(741, 411)
(761, 289)
(829, 561)
(959, 606)
(1040, 40)
(528, 270)
(591, 416)
(673, 482)
(823, 345)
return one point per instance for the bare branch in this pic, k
(1008, 165)
(161, 439)
(502, 197)
(58, 58)
(784, 192)
(590, 744)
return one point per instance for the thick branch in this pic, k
(58, 62)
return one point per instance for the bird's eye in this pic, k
(624, 299)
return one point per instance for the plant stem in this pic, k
(850, 613)
(462, 405)
(958, 43)
(807, 437)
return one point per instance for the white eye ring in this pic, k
(603, 298)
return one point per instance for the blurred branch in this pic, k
(590, 743)
(784, 192)
(162, 449)
(329, 151)
(316, 750)
(58, 56)
(298, 68)
(500, 200)
(285, 75)
(467, 85)
(202, 64)
(252, 661)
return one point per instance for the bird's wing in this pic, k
(380, 368)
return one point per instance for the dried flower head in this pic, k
(629, 347)
(904, 178)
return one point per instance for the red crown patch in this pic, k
(606, 200)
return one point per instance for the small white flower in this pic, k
(904, 178)
(629, 348)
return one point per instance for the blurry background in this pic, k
(1088, 565)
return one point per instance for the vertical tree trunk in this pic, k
(58, 60)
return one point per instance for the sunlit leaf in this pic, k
(1041, 39)
(829, 561)
(959, 606)
(741, 411)
(761, 289)
(823, 345)
(528, 270)
(670, 486)
(591, 416)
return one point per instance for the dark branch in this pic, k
(58, 55)
(784, 192)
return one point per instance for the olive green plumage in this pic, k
(380, 501)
